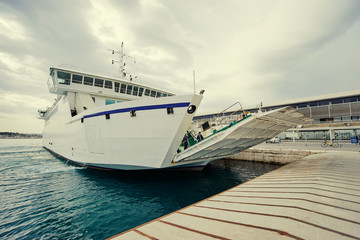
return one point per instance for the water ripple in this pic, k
(42, 197)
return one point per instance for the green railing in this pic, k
(190, 139)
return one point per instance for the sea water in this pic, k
(43, 197)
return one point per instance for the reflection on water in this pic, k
(42, 197)
(246, 170)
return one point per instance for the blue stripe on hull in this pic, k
(142, 108)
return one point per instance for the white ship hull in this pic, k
(146, 141)
(150, 140)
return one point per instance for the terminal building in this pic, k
(335, 116)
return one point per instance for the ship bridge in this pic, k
(86, 89)
(64, 79)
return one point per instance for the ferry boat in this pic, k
(114, 123)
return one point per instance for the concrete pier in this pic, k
(281, 156)
(317, 197)
(288, 152)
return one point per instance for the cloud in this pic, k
(247, 51)
(18, 113)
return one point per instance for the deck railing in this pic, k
(222, 113)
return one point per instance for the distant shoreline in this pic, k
(15, 135)
(20, 137)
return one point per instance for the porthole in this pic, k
(191, 109)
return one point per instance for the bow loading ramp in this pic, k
(242, 135)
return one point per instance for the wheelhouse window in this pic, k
(123, 88)
(63, 77)
(108, 84)
(337, 101)
(313, 104)
(99, 82)
(158, 94)
(302, 105)
(77, 78)
(135, 91)
(165, 95)
(117, 86)
(141, 90)
(109, 101)
(322, 103)
(88, 81)
(147, 92)
(153, 93)
(350, 100)
(129, 89)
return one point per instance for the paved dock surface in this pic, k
(309, 145)
(317, 197)
(288, 151)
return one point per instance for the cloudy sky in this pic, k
(250, 51)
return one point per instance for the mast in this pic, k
(121, 54)
(194, 80)
(121, 59)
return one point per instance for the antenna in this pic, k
(194, 80)
(260, 106)
(121, 54)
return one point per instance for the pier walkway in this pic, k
(344, 146)
(317, 197)
(289, 151)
